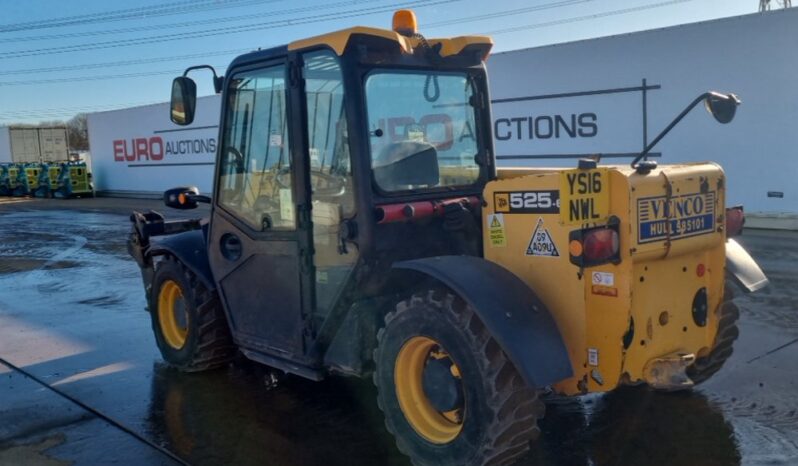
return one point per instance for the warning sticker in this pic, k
(541, 243)
(498, 238)
(592, 356)
(603, 278)
(604, 290)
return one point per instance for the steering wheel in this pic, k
(238, 159)
(334, 185)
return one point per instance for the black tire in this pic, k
(207, 342)
(500, 410)
(705, 367)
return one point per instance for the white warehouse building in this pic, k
(554, 104)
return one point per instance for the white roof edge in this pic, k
(143, 106)
(746, 17)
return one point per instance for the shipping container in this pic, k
(33, 145)
(24, 145)
(554, 104)
(53, 144)
(5, 145)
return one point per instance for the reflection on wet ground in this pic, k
(71, 312)
(634, 425)
(230, 416)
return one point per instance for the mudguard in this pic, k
(188, 247)
(743, 267)
(511, 311)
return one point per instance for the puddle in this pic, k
(71, 269)
(19, 264)
(33, 454)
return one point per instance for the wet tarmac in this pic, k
(72, 314)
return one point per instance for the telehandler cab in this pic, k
(359, 226)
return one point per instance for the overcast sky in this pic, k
(61, 57)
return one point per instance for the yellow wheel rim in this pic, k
(172, 314)
(435, 426)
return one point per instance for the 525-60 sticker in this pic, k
(527, 202)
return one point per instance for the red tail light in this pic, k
(594, 246)
(600, 245)
(735, 219)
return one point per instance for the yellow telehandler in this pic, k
(359, 225)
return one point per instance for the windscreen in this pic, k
(422, 130)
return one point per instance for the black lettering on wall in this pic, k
(583, 125)
(588, 126)
(544, 127)
(561, 124)
(502, 136)
(518, 121)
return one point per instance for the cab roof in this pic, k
(338, 41)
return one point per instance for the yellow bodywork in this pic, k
(32, 174)
(78, 178)
(339, 39)
(660, 272)
(13, 175)
(53, 173)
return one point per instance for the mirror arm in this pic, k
(218, 81)
(665, 131)
(199, 198)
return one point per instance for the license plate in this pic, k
(584, 196)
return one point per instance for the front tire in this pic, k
(187, 319)
(448, 391)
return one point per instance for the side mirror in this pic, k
(184, 101)
(722, 106)
(183, 198)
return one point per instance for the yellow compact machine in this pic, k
(8, 178)
(72, 180)
(634, 265)
(359, 226)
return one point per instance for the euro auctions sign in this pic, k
(140, 151)
(156, 149)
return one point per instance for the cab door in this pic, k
(259, 242)
(332, 188)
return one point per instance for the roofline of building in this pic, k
(727, 19)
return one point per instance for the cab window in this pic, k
(255, 167)
(422, 130)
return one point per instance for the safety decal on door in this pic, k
(541, 243)
(498, 238)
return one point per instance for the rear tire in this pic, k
(187, 319)
(497, 412)
(705, 367)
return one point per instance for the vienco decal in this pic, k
(156, 149)
(683, 216)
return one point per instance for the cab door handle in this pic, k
(230, 246)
